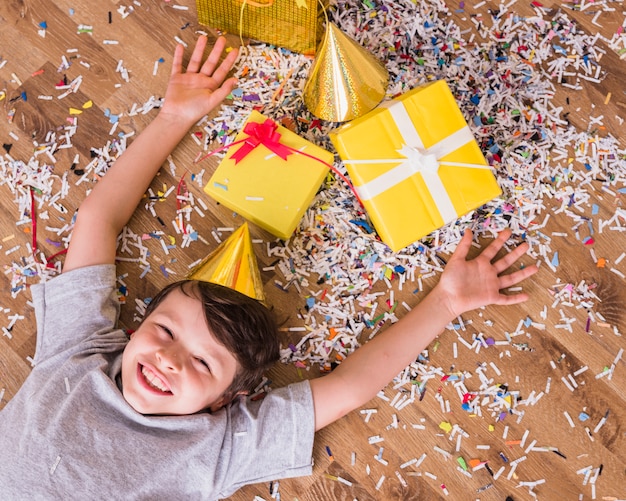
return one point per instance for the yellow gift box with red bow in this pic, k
(415, 164)
(269, 175)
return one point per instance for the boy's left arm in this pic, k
(189, 96)
(464, 285)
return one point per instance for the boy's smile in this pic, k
(173, 364)
(153, 381)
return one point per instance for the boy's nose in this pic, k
(170, 358)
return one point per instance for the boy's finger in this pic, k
(177, 61)
(218, 95)
(214, 56)
(515, 278)
(508, 259)
(196, 55)
(503, 299)
(463, 247)
(494, 247)
(222, 71)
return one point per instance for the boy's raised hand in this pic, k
(194, 92)
(190, 95)
(470, 284)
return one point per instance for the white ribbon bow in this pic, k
(417, 159)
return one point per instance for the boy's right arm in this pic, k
(464, 285)
(190, 95)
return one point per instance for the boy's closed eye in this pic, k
(167, 331)
(204, 364)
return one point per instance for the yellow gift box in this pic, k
(270, 181)
(415, 164)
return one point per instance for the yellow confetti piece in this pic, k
(172, 240)
(608, 98)
(74, 111)
(445, 426)
(491, 427)
(88, 105)
(2, 95)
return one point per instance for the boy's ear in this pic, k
(225, 400)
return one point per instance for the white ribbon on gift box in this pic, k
(419, 159)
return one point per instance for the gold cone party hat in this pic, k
(345, 80)
(233, 264)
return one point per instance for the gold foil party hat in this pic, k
(345, 80)
(233, 264)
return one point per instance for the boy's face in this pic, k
(173, 364)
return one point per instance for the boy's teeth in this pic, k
(152, 380)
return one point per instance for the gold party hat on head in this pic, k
(233, 264)
(345, 80)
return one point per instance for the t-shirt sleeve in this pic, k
(73, 306)
(271, 439)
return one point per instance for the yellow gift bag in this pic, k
(293, 24)
(415, 164)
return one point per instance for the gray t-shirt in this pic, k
(68, 433)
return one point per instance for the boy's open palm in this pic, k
(478, 282)
(195, 92)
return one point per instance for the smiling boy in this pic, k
(157, 416)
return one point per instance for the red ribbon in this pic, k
(261, 133)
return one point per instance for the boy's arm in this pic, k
(464, 285)
(111, 203)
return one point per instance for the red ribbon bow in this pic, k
(261, 133)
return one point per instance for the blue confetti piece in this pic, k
(362, 224)
(310, 302)
(594, 209)
(622, 190)
(583, 417)
(555, 259)
(528, 322)
(43, 25)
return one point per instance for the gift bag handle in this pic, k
(254, 3)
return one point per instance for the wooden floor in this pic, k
(34, 65)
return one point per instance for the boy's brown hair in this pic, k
(242, 324)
